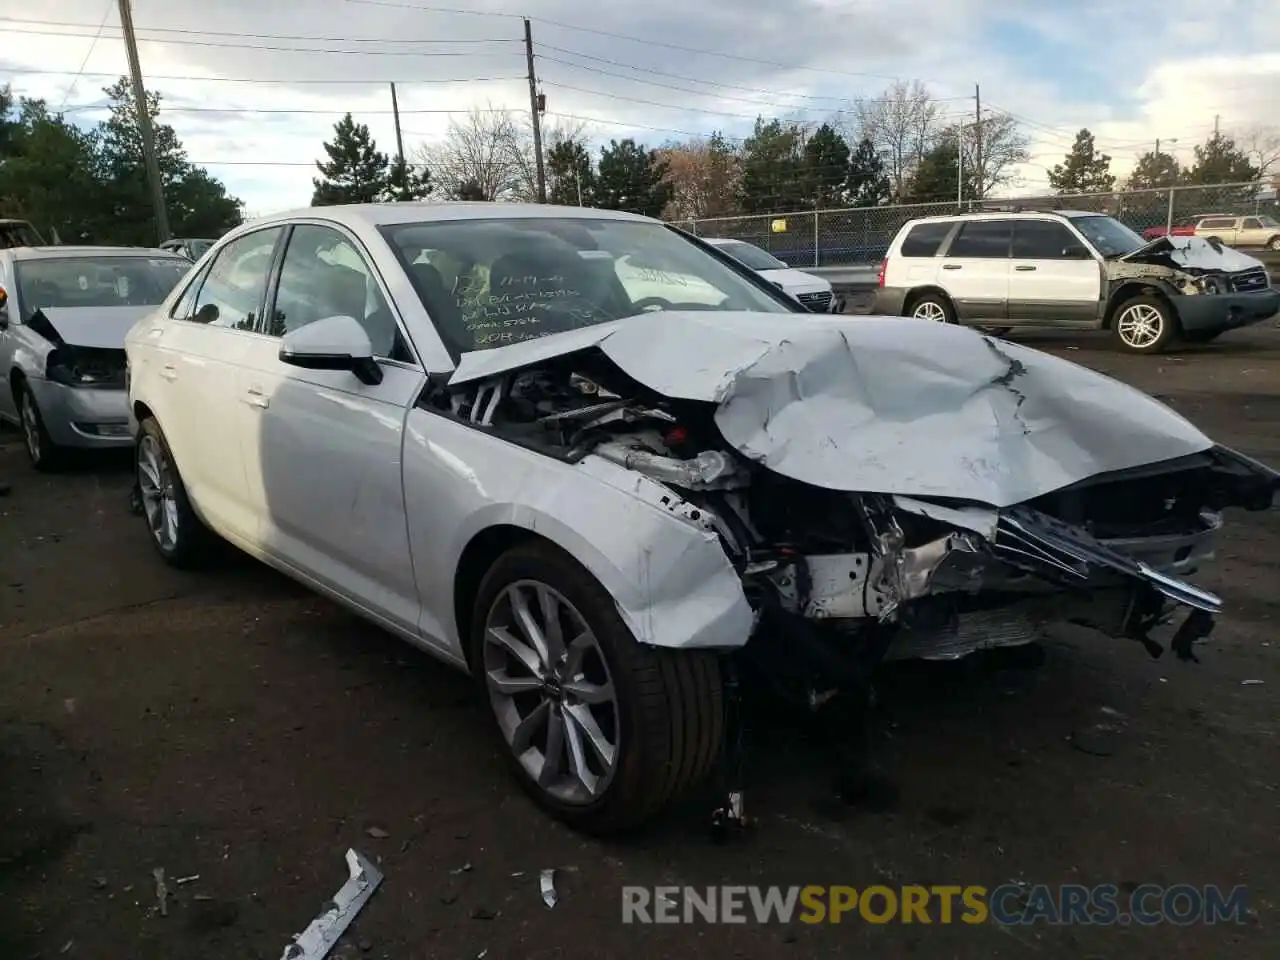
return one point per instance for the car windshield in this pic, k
(490, 282)
(71, 282)
(1110, 237)
(751, 257)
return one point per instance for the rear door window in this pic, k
(983, 239)
(924, 239)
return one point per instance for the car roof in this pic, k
(62, 252)
(390, 214)
(1020, 215)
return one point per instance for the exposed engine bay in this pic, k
(840, 580)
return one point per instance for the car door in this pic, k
(322, 449)
(975, 270)
(196, 355)
(1054, 279)
(1252, 233)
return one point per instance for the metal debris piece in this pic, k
(547, 883)
(66, 947)
(315, 942)
(162, 891)
(1249, 683)
(182, 880)
(378, 833)
(465, 868)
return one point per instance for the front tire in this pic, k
(45, 455)
(175, 530)
(602, 731)
(1145, 324)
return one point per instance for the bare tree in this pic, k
(481, 153)
(1262, 146)
(554, 131)
(1004, 146)
(704, 176)
(902, 125)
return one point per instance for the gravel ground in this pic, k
(232, 726)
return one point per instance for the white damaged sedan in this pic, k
(467, 423)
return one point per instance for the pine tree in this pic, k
(826, 166)
(356, 171)
(405, 182)
(1084, 169)
(868, 183)
(1152, 171)
(1219, 160)
(571, 174)
(631, 178)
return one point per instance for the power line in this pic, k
(71, 87)
(334, 112)
(276, 49)
(651, 103)
(36, 71)
(712, 83)
(187, 31)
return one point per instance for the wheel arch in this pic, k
(1129, 289)
(671, 579)
(916, 294)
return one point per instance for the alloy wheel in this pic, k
(159, 502)
(1140, 326)
(551, 691)
(930, 310)
(31, 427)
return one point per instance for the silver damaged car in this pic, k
(509, 435)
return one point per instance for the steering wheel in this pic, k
(639, 306)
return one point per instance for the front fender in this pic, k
(661, 562)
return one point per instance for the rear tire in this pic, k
(931, 306)
(177, 533)
(659, 713)
(1144, 324)
(1274, 244)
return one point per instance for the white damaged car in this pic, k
(460, 421)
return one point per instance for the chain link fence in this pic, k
(861, 235)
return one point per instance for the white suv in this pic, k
(1073, 270)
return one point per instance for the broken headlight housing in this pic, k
(86, 367)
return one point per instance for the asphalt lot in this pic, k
(233, 727)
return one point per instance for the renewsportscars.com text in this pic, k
(1009, 904)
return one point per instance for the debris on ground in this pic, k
(465, 868)
(318, 939)
(1250, 683)
(547, 884)
(378, 833)
(162, 892)
(484, 913)
(183, 881)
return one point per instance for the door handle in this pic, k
(951, 266)
(255, 398)
(1024, 266)
(169, 372)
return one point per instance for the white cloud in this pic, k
(1131, 72)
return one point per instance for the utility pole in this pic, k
(395, 112)
(960, 167)
(144, 122)
(977, 141)
(535, 106)
(1216, 118)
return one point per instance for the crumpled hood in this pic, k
(103, 327)
(882, 405)
(1193, 254)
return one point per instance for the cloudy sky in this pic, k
(253, 88)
